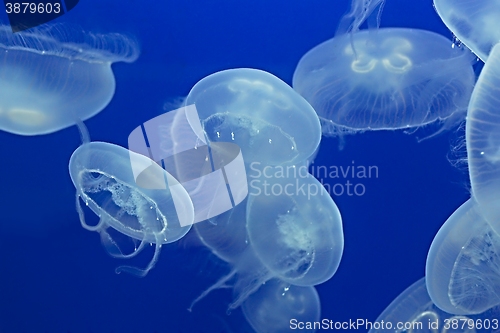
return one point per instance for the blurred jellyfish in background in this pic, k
(265, 117)
(51, 76)
(131, 216)
(462, 271)
(413, 311)
(384, 79)
(475, 23)
(275, 306)
(483, 140)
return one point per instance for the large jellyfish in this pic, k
(413, 311)
(49, 77)
(475, 23)
(463, 270)
(293, 236)
(278, 307)
(383, 79)
(146, 214)
(270, 122)
(483, 140)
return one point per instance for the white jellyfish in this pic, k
(483, 140)
(475, 23)
(265, 117)
(50, 77)
(384, 79)
(136, 207)
(463, 264)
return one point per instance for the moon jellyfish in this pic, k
(483, 140)
(277, 305)
(475, 23)
(295, 237)
(145, 214)
(413, 311)
(385, 79)
(265, 117)
(295, 228)
(49, 77)
(462, 270)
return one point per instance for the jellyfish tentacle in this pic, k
(138, 271)
(220, 284)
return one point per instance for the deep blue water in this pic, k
(56, 277)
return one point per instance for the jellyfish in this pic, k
(385, 79)
(265, 117)
(414, 311)
(50, 76)
(474, 23)
(483, 140)
(462, 269)
(150, 208)
(294, 227)
(293, 236)
(278, 307)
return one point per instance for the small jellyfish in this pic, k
(483, 140)
(413, 311)
(265, 117)
(278, 307)
(137, 207)
(474, 23)
(462, 269)
(49, 77)
(385, 79)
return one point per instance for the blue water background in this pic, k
(56, 277)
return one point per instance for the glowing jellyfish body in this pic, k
(385, 79)
(104, 180)
(276, 306)
(475, 23)
(483, 140)
(47, 79)
(294, 237)
(462, 271)
(265, 117)
(295, 228)
(413, 311)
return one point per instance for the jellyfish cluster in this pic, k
(224, 165)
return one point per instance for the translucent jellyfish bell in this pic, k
(296, 238)
(295, 228)
(151, 212)
(385, 79)
(49, 77)
(276, 306)
(475, 23)
(265, 117)
(483, 140)
(462, 271)
(413, 311)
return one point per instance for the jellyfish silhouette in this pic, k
(414, 311)
(265, 117)
(297, 239)
(483, 140)
(475, 23)
(384, 79)
(277, 307)
(51, 76)
(462, 271)
(103, 177)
